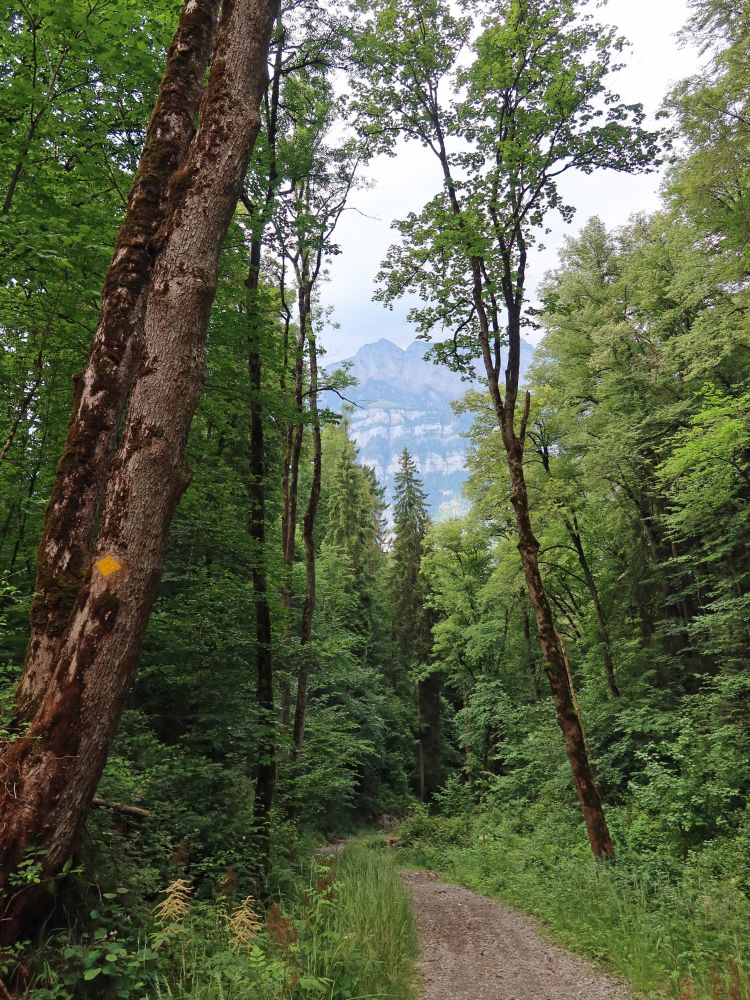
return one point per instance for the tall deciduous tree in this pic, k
(533, 106)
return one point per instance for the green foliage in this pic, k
(345, 929)
(638, 469)
(350, 933)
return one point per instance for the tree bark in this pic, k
(265, 773)
(529, 656)
(265, 780)
(568, 717)
(294, 435)
(101, 389)
(430, 735)
(308, 525)
(512, 285)
(48, 776)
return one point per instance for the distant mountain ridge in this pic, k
(404, 401)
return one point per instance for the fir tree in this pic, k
(412, 631)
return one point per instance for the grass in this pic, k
(349, 936)
(685, 940)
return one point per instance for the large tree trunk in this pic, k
(101, 389)
(49, 775)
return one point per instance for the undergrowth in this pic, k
(343, 932)
(350, 936)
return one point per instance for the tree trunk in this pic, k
(568, 717)
(49, 775)
(265, 781)
(512, 285)
(265, 774)
(101, 389)
(21, 411)
(308, 526)
(601, 618)
(430, 735)
(294, 434)
(530, 666)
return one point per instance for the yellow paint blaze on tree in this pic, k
(108, 565)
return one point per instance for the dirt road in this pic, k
(476, 949)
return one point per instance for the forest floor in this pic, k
(473, 948)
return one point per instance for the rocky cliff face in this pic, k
(404, 401)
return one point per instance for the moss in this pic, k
(56, 594)
(179, 182)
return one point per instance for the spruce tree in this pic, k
(412, 631)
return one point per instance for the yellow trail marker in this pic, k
(107, 565)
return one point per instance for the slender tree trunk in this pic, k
(505, 410)
(421, 790)
(601, 618)
(101, 389)
(24, 511)
(49, 775)
(568, 717)
(294, 434)
(265, 781)
(529, 655)
(308, 526)
(21, 412)
(430, 735)
(265, 775)
(23, 154)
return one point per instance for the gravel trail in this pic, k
(473, 948)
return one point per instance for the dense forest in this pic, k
(220, 647)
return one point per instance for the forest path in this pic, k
(473, 948)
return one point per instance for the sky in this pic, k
(404, 183)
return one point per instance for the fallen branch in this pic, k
(120, 808)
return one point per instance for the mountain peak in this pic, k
(404, 401)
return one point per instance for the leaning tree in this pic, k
(530, 106)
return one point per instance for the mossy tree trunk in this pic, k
(48, 776)
(101, 389)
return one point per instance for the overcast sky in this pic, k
(406, 182)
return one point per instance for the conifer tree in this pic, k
(412, 631)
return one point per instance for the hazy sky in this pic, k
(406, 182)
